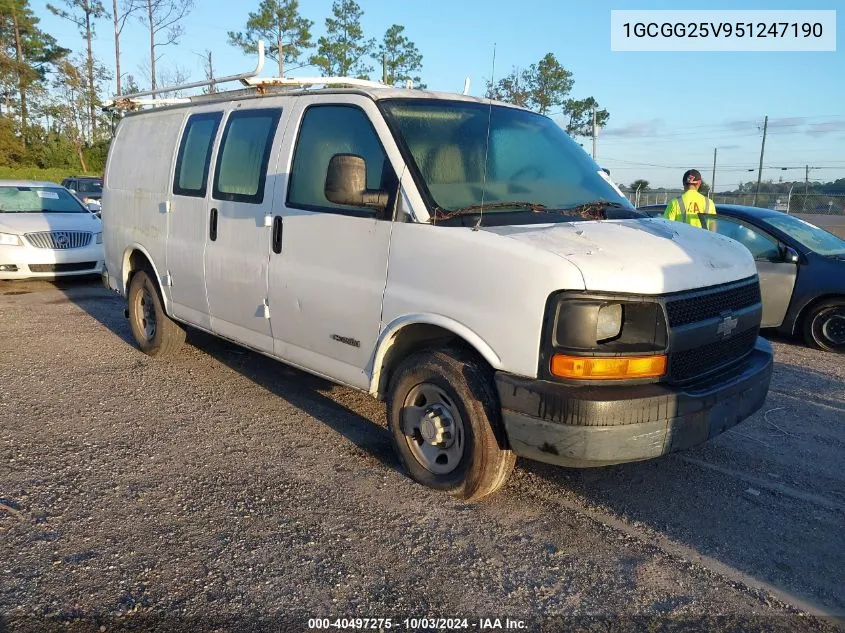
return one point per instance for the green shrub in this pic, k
(52, 174)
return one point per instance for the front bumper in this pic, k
(45, 263)
(599, 426)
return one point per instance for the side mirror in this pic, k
(94, 207)
(346, 183)
(73, 191)
(790, 255)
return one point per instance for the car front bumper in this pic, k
(27, 262)
(598, 426)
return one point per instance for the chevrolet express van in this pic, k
(463, 260)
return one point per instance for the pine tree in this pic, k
(26, 53)
(343, 49)
(400, 58)
(277, 22)
(84, 13)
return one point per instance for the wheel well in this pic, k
(412, 339)
(135, 261)
(799, 322)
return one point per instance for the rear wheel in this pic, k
(156, 333)
(445, 424)
(824, 326)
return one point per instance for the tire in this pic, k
(155, 332)
(824, 326)
(456, 441)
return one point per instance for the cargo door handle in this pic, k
(277, 234)
(212, 225)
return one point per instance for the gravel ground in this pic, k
(221, 490)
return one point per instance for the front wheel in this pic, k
(444, 420)
(156, 333)
(824, 326)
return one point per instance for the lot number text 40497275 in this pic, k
(415, 624)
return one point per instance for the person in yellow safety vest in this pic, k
(687, 207)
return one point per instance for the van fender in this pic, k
(381, 360)
(126, 268)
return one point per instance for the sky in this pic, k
(668, 110)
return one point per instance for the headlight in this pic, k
(609, 322)
(597, 337)
(98, 237)
(10, 239)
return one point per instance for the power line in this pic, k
(725, 169)
(775, 166)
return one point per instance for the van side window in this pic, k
(243, 156)
(327, 130)
(194, 154)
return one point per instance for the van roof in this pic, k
(376, 94)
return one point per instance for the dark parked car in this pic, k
(801, 269)
(86, 188)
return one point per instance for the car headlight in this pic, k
(609, 322)
(603, 337)
(98, 237)
(10, 239)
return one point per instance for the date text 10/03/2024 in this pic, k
(381, 624)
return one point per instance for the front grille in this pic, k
(701, 360)
(61, 268)
(707, 306)
(59, 240)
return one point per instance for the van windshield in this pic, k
(531, 163)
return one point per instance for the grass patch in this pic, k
(53, 174)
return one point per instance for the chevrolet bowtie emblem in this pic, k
(727, 325)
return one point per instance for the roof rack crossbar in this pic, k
(249, 79)
(131, 100)
(311, 81)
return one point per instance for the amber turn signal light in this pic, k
(613, 368)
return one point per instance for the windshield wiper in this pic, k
(587, 210)
(591, 210)
(443, 214)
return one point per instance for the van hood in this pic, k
(31, 222)
(639, 256)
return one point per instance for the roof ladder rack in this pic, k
(131, 101)
(251, 80)
(265, 82)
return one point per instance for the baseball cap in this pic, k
(692, 176)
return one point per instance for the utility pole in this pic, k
(713, 179)
(594, 132)
(806, 187)
(384, 68)
(760, 170)
(210, 72)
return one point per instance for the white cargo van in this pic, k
(466, 261)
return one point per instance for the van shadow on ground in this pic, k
(302, 390)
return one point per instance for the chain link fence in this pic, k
(813, 203)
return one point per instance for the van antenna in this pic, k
(486, 143)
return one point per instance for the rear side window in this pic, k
(326, 131)
(195, 153)
(244, 154)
